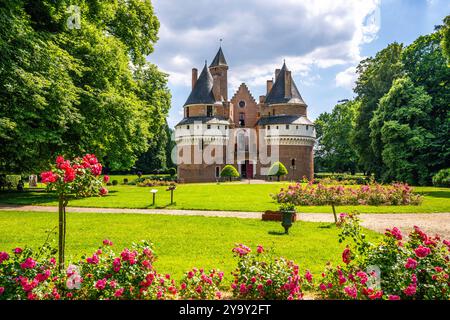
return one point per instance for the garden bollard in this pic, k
(154, 191)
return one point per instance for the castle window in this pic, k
(208, 126)
(217, 172)
(218, 127)
(287, 127)
(307, 128)
(209, 111)
(296, 127)
(242, 103)
(293, 162)
(268, 127)
(277, 127)
(269, 114)
(187, 112)
(187, 127)
(242, 119)
(273, 111)
(226, 127)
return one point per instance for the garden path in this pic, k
(434, 223)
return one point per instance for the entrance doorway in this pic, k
(247, 170)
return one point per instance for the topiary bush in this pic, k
(172, 172)
(442, 178)
(278, 169)
(229, 172)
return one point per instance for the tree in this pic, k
(426, 65)
(278, 169)
(76, 178)
(333, 138)
(57, 83)
(374, 81)
(446, 38)
(229, 172)
(400, 129)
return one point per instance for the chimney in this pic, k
(194, 77)
(287, 84)
(277, 72)
(262, 99)
(269, 85)
(216, 88)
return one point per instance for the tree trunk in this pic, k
(334, 213)
(62, 232)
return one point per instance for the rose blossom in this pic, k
(100, 284)
(106, 179)
(346, 256)
(411, 264)
(422, 252)
(29, 263)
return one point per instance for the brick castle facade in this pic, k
(248, 134)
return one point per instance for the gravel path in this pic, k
(433, 223)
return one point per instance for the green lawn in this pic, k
(180, 242)
(224, 196)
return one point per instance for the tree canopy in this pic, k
(68, 91)
(401, 114)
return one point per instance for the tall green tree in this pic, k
(446, 38)
(426, 65)
(375, 78)
(334, 130)
(68, 90)
(400, 129)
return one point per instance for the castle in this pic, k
(247, 134)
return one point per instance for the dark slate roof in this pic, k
(219, 59)
(208, 120)
(202, 92)
(283, 119)
(277, 95)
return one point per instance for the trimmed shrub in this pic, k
(114, 182)
(229, 172)
(172, 171)
(278, 169)
(442, 178)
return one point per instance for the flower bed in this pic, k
(315, 195)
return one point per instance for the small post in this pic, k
(154, 191)
(171, 188)
(334, 212)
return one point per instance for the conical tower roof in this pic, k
(277, 94)
(219, 59)
(202, 92)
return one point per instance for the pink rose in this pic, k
(18, 250)
(411, 264)
(422, 252)
(100, 284)
(29, 263)
(393, 297)
(106, 179)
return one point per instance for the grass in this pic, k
(224, 196)
(180, 242)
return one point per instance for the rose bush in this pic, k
(77, 178)
(260, 276)
(103, 275)
(335, 195)
(198, 284)
(413, 267)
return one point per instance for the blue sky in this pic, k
(321, 40)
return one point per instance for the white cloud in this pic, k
(259, 34)
(346, 79)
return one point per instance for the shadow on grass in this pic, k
(277, 233)
(326, 226)
(436, 194)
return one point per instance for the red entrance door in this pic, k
(249, 170)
